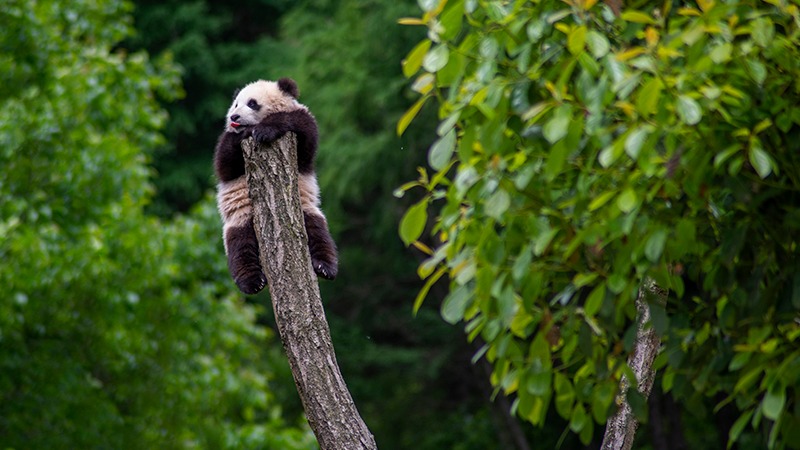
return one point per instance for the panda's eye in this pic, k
(252, 104)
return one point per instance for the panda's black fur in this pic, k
(266, 110)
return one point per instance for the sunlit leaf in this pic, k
(648, 97)
(413, 61)
(576, 39)
(637, 17)
(598, 44)
(455, 304)
(436, 58)
(634, 142)
(557, 127)
(688, 110)
(761, 161)
(413, 222)
(442, 150)
(627, 200)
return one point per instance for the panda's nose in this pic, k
(235, 118)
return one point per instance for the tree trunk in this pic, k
(621, 427)
(283, 244)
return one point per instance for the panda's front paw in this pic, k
(266, 133)
(325, 270)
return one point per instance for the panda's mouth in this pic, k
(235, 124)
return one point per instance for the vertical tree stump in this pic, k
(283, 245)
(621, 427)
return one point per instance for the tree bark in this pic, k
(621, 427)
(283, 245)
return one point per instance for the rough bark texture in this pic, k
(621, 427)
(283, 245)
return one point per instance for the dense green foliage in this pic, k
(581, 151)
(117, 330)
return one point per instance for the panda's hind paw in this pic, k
(325, 270)
(252, 284)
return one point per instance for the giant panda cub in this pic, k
(266, 110)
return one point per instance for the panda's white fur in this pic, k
(233, 201)
(269, 96)
(266, 110)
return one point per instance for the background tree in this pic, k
(117, 329)
(579, 153)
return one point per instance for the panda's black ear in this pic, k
(288, 86)
(235, 93)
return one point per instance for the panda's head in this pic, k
(257, 100)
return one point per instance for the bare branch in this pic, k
(621, 427)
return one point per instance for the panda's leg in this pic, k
(324, 258)
(243, 258)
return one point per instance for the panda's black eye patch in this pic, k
(252, 104)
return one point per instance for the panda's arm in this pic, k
(228, 158)
(303, 124)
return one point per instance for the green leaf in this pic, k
(557, 127)
(442, 150)
(773, 402)
(587, 433)
(451, 20)
(409, 115)
(748, 379)
(522, 265)
(413, 222)
(761, 161)
(413, 61)
(601, 200)
(539, 383)
(655, 245)
(627, 200)
(576, 39)
(634, 142)
(721, 53)
(689, 110)
(763, 31)
(757, 70)
(598, 44)
(436, 59)
(579, 418)
(648, 97)
(456, 303)
(637, 17)
(595, 300)
(427, 287)
(555, 160)
(738, 427)
(543, 240)
(497, 204)
(565, 395)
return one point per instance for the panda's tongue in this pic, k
(235, 124)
